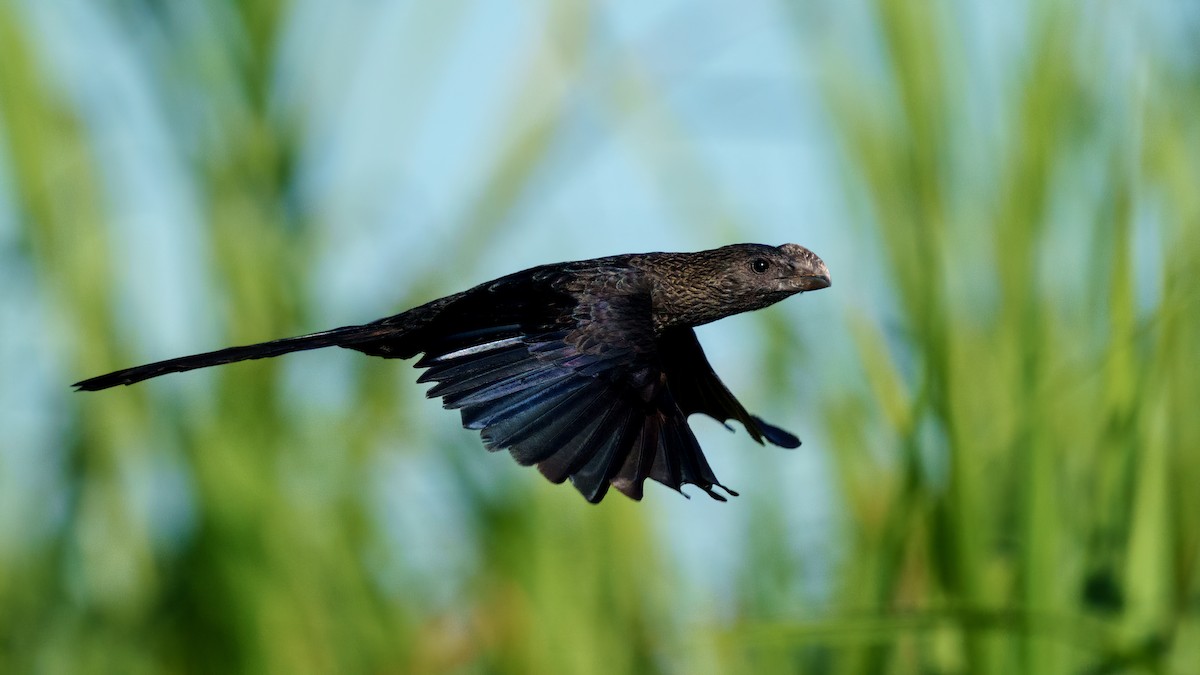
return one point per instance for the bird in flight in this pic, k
(588, 369)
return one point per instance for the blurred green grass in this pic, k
(1018, 476)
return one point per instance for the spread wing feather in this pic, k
(576, 387)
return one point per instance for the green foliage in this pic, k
(1059, 540)
(1017, 473)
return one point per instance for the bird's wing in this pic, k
(697, 389)
(564, 372)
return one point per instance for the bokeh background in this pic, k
(998, 396)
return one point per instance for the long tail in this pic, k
(347, 336)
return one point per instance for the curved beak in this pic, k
(814, 282)
(817, 280)
(811, 274)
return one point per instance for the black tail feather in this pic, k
(347, 336)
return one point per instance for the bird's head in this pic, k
(789, 268)
(757, 275)
(711, 285)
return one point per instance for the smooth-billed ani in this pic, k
(587, 369)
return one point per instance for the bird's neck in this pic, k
(685, 293)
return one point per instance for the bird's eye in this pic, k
(760, 265)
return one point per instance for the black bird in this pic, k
(587, 369)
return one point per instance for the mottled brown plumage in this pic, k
(587, 369)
